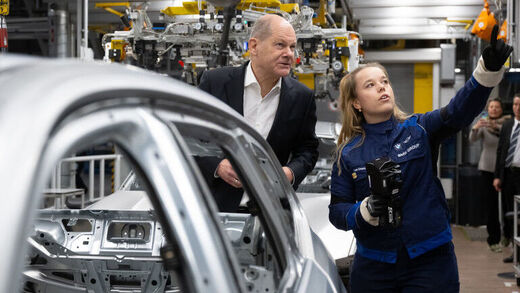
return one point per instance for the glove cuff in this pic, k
(486, 77)
(374, 221)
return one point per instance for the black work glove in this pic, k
(377, 205)
(495, 55)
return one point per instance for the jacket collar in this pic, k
(235, 88)
(284, 106)
(380, 127)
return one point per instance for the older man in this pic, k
(507, 168)
(280, 108)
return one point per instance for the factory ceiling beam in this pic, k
(403, 3)
(418, 12)
(423, 36)
(405, 56)
(416, 19)
(412, 32)
(411, 21)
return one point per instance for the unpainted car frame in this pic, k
(69, 104)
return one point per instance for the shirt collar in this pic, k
(278, 85)
(251, 78)
(380, 127)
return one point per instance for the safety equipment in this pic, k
(484, 23)
(502, 34)
(384, 178)
(496, 54)
(377, 205)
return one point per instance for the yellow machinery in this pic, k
(342, 44)
(109, 7)
(320, 19)
(187, 8)
(4, 7)
(192, 7)
(183, 47)
(117, 50)
(306, 78)
(337, 53)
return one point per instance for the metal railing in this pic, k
(56, 182)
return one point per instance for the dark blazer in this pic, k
(292, 135)
(503, 147)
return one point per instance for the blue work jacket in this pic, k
(425, 214)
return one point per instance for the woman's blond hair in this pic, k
(352, 120)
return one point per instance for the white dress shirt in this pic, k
(516, 156)
(260, 111)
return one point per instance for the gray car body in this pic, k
(50, 108)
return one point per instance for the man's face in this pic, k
(275, 54)
(516, 107)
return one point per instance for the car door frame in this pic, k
(150, 144)
(291, 235)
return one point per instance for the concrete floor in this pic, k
(479, 267)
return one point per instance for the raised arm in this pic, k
(471, 99)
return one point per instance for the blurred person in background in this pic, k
(487, 130)
(507, 169)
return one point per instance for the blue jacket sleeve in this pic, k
(469, 101)
(343, 202)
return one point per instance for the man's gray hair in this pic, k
(262, 28)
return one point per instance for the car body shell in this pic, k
(51, 108)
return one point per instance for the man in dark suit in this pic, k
(507, 168)
(280, 108)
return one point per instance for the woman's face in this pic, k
(375, 96)
(494, 110)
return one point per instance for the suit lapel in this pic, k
(508, 134)
(235, 88)
(283, 108)
(510, 128)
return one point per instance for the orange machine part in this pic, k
(502, 34)
(484, 23)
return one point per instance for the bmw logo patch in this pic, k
(397, 146)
